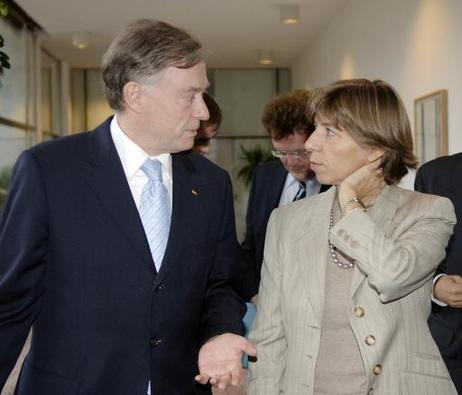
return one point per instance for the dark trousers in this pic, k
(456, 375)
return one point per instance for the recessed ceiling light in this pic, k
(290, 14)
(81, 40)
(264, 57)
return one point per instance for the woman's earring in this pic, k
(379, 172)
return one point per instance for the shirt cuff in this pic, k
(434, 300)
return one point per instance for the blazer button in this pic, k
(160, 287)
(354, 244)
(359, 312)
(340, 232)
(377, 369)
(155, 342)
(370, 340)
(370, 392)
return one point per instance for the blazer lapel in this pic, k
(312, 247)
(186, 197)
(382, 214)
(277, 185)
(107, 179)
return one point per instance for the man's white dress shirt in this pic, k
(291, 187)
(132, 157)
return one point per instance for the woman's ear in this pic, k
(375, 154)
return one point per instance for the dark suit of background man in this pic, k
(77, 253)
(287, 120)
(442, 177)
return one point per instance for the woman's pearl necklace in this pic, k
(333, 253)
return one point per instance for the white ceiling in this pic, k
(230, 30)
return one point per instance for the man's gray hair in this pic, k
(143, 49)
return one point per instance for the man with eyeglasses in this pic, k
(276, 183)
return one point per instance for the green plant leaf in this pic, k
(4, 60)
(5, 182)
(3, 9)
(251, 158)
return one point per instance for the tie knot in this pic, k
(152, 169)
(301, 193)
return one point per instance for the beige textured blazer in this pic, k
(396, 248)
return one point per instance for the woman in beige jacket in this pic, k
(346, 281)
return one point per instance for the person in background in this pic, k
(118, 245)
(441, 177)
(347, 274)
(276, 183)
(208, 129)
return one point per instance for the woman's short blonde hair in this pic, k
(372, 113)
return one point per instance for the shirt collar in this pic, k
(311, 183)
(132, 155)
(290, 179)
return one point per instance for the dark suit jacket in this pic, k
(75, 264)
(442, 177)
(267, 185)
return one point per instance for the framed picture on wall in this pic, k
(431, 125)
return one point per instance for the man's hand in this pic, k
(448, 289)
(220, 360)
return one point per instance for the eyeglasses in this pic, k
(297, 155)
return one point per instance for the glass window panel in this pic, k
(12, 142)
(78, 116)
(242, 95)
(46, 100)
(97, 108)
(89, 106)
(50, 100)
(15, 90)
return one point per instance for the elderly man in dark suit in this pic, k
(117, 246)
(288, 122)
(442, 177)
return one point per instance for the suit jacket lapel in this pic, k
(385, 207)
(311, 253)
(277, 185)
(186, 197)
(382, 214)
(107, 179)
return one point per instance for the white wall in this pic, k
(416, 45)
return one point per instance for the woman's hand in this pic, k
(365, 184)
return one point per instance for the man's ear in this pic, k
(375, 154)
(132, 94)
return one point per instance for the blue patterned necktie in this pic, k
(301, 193)
(155, 211)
